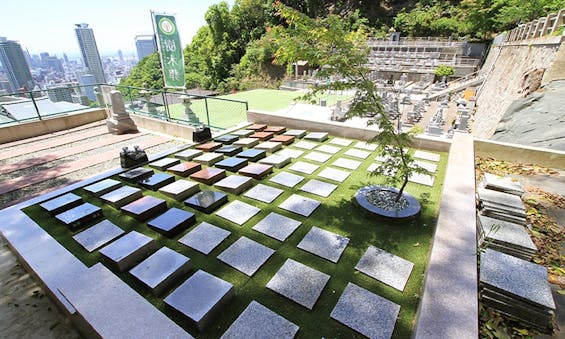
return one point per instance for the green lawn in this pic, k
(338, 213)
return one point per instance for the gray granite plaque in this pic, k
(300, 205)
(305, 144)
(204, 237)
(325, 244)
(234, 184)
(286, 179)
(208, 158)
(318, 187)
(269, 146)
(247, 142)
(264, 193)
(98, 235)
(365, 146)
(161, 270)
(164, 163)
(246, 255)
(317, 136)
(277, 226)
(291, 153)
(426, 156)
(122, 196)
(238, 212)
(317, 156)
(356, 153)
(303, 167)
(328, 149)
(189, 154)
(103, 187)
(180, 189)
(334, 174)
(347, 163)
(298, 133)
(341, 142)
(128, 250)
(385, 267)
(277, 161)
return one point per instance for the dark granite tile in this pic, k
(252, 154)
(226, 139)
(172, 222)
(80, 215)
(207, 201)
(185, 169)
(62, 203)
(232, 164)
(229, 150)
(157, 181)
(136, 174)
(145, 208)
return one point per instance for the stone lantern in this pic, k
(190, 115)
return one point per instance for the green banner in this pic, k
(170, 50)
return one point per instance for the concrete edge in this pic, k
(520, 153)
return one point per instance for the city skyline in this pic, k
(48, 26)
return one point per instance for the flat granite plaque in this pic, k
(283, 139)
(157, 181)
(263, 193)
(426, 156)
(317, 156)
(246, 255)
(347, 163)
(341, 142)
(256, 127)
(252, 154)
(207, 201)
(269, 146)
(328, 149)
(324, 244)
(262, 135)
(98, 235)
(298, 133)
(287, 179)
(122, 196)
(229, 150)
(257, 321)
(303, 167)
(128, 250)
(102, 187)
(208, 176)
(136, 174)
(366, 146)
(161, 270)
(247, 142)
(208, 158)
(385, 267)
(243, 133)
(305, 145)
(277, 226)
(356, 153)
(80, 215)
(232, 164)
(300, 205)
(365, 312)
(317, 136)
(238, 212)
(299, 283)
(234, 184)
(200, 297)
(226, 139)
(422, 179)
(164, 163)
(256, 171)
(334, 174)
(172, 222)
(209, 146)
(185, 169)
(145, 208)
(276, 161)
(204, 237)
(188, 154)
(427, 165)
(62, 203)
(275, 129)
(318, 187)
(289, 152)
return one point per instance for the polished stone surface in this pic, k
(172, 222)
(200, 297)
(385, 267)
(209, 146)
(341, 142)
(276, 161)
(356, 153)
(185, 169)
(263, 193)
(136, 174)
(232, 164)
(208, 158)
(102, 187)
(238, 212)
(317, 156)
(262, 135)
(128, 250)
(366, 146)
(334, 174)
(256, 127)
(180, 189)
(324, 244)
(269, 146)
(365, 312)
(243, 133)
(207, 201)
(188, 154)
(318, 187)
(208, 176)
(299, 283)
(80, 215)
(283, 139)
(275, 129)
(252, 154)
(317, 136)
(256, 171)
(161, 270)
(300, 205)
(246, 255)
(247, 142)
(287, 179)
(62, 203)
(427, 165)
(122, 196)
(422, 179)
(346, 163)
(226, 139)
(305, 145)
(204, 237)
(257, 321)
(277, 226)
(426, 156)
(229, 150)
(298, 133)
(234, 184)
(98, 235)
(157, 181)
(289, 152)
(505, 232)
(164, 163)
(328, 149)
(303, 167)
(145, 207)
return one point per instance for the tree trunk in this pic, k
(401, 190)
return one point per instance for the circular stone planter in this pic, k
(411, 210)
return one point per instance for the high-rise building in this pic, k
(145, 45)
(15, 65)
(89, 51)
(87, 82)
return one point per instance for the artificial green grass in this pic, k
(338, 213)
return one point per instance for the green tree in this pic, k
(338, 46)
(147, 71)
(444, 71)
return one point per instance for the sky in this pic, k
(48, 25)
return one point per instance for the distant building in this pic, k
(85, 80)
(15, 65)
(145, 45)
(89, 51)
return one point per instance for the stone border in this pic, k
(413, 208)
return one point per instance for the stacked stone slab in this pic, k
(506, 237)
(500, 205)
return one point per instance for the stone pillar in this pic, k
(119, 121)
(190, 116)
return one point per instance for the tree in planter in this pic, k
(443, 72)
(338, 47)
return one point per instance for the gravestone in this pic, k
(119, 121)
(242, 133)
(209, 146)
(247, 142)
(145, 207)
(226, 139)
(80, 215)
(238, 212)
(256, 127)
(303, 167)
(328, 149)
(157, 181)
(246, 255)
(346, 163)
(172, 222)
(277, 226)
(204, 237)
(98, 235)
(200, 297)
(180, 189)
(299, 283)
(334, 174)
(297, 133)
(257, 321)
(128, 250)
(366, 146)
(289, 152)
(318, 187)
(283, 139)
(62, 203)
(232, 164)
(263, 193)
(164, 163)
(208, 176)
(102, 187)
(385, 267)
(262, 135)
(188, 154)
(256, 171)
(324, 244)
(234, 184)
(287, 179)
(276, 161)
(365, 312)
(275, 129)
(341, 142)
(252, 154)
(122, 196)
(136, 174)
(208, 159)
(185, 169)
(316, 136)
(161, 270)
(300, 205)
(229, 150)
(355, 153)
(269, 146)
(207, 201)
(317, 157)
(305, 145)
